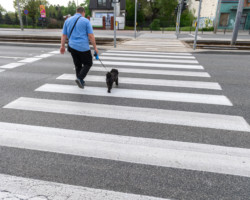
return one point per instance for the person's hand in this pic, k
(62, 50)
(96, 50)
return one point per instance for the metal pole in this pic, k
(135, 16)
(179, 17)
(217, 17)
(237, 22)
(197, 27)
(20, 16)
(115, 25)
(26, 21)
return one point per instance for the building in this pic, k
(208, 11)
(104, 9)
(101, 8)
(228, 14)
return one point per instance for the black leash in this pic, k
(103, 65)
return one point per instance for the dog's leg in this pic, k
(116, 82)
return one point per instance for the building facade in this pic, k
(100, 8)
(228, 14)
(105, 9)
(208, 11)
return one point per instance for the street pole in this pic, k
(179, 17)
(217, 17)
(19, 13)
(114, 24)
(197, 27)
(26, 21)
(237, 21)
(135, 16)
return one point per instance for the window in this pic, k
(224, 17)
(101, 3)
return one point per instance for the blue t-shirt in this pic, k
(79, 38)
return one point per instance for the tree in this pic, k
(7, 19)
(86, 7)
(2, 9)
(1, 18)
(71, 7)
(16, 21)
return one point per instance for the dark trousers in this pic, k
(83, 62)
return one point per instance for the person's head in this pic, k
(81, 10)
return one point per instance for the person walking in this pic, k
(79, 32)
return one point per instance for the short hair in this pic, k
(80, 9)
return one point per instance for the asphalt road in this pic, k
(192, 170)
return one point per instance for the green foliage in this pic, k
(155, 25)
(187, 18)
(86, 6)
(7, 19)
(71, 7)
(130, 8)
(1, 18)
(2, 9)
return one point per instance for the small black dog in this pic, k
(112, 77)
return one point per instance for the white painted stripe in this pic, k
(12, 65)
(1, 70)
(152, 52)
(29, 60)
(155, 71)
(44, 56)
(143, 55)
(138, 94)
(152, 65)
(11, 57)
(164, 153)
(153, 82)
(149, 60)
(158, 45)
(55, 52)
(37, 189)
(193, 119)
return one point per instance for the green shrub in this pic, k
(155, 25)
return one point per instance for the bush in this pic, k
(155, 25)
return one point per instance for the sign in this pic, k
(26, 12)
(96, 22)
(42, 11)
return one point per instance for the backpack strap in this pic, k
(74, 26)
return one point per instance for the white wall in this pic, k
(208, 8)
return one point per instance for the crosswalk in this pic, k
(164, 71)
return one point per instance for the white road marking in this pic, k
(36, 189)
(146, 55)
(158, 45)
(182, 118)
(11, 57)
(155, 71)
(153, 52)
(164, 153)
(152, 65)
(55, 52)
(29, 60)
(12, 65)
(198, 37)
(153, 82)
(44, 56)
(150, 60)
(1, 70)
(138, 94)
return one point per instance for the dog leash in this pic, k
(97, 58)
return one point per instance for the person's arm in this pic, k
(92, 40)
(63, 40)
